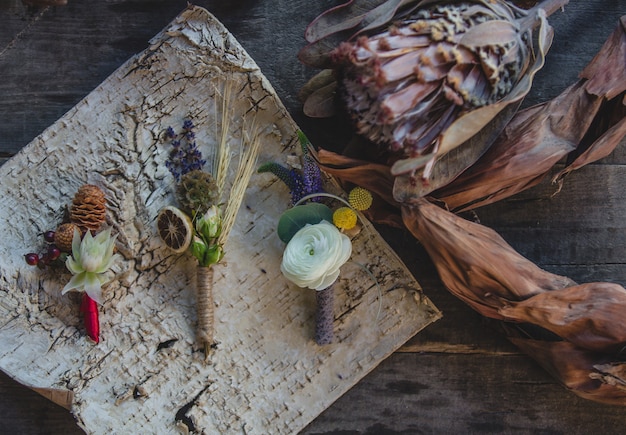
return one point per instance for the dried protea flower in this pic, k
(88, 209)
(423, 79)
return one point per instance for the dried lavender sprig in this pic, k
(311, 174)
(185, 155)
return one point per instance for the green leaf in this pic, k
(297, 217)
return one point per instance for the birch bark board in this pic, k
(148, 375)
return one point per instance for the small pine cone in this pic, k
(63, 236)
(88, 209)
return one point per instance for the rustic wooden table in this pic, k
(458, 375)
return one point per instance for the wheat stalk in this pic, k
(220, 162)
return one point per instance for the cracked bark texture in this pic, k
(147, 374)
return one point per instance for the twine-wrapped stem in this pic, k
(324, 315)
(205, 307)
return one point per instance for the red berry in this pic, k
(45, 259)
(48, 236)
(31, 258)
(53, 252)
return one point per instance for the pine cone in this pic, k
(88, 210)
(64, 235)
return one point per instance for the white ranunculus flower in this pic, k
(314, 255)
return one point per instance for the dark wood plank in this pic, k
(457, 376)
(461, 394)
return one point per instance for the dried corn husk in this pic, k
(480, 268)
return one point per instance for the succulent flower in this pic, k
(314, 256)
(90, 260)
(420, 78)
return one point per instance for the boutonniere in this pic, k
(316, 237)
(206, 210)
(87, 252)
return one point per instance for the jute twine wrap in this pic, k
(206, 306)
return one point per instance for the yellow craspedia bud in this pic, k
(344, 218)
(360, 199)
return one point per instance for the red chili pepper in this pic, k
(89, 307)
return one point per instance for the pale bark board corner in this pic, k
(267, 375)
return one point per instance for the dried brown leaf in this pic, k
(606, 73)
(575, 368)
(590, 316)
(474, 262)
(583, 125)
(530, 145)
(372, 176)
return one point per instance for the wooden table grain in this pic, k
(458, 375)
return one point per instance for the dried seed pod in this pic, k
(63, 236)
(88, 209)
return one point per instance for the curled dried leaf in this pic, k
(589, 315)
(479, 267)
(474, 262)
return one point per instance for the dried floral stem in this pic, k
(221, 160)
(205, 307)
(250, 145)
(324, 315)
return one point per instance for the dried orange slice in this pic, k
(175, 228)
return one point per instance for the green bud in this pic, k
(198, 248)
(213, 255)
(210, 224)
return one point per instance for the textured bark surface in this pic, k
(267, 375)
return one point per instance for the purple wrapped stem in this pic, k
(324, 316)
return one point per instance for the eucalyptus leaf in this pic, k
(321, 103)
(297, 217)
(343, 17)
